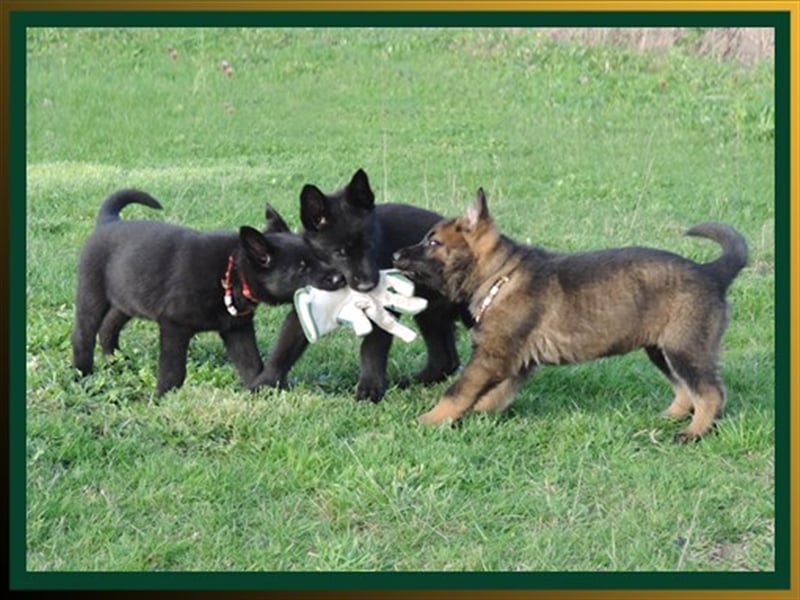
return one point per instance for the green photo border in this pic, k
(18, 16)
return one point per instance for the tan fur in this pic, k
(557, 309)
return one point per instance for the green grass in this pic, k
(578, 148)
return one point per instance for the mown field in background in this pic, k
(577, 148)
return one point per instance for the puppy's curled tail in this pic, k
(109, 211)
(734, 250)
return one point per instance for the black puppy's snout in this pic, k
(364, 281)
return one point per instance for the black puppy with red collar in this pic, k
(187, 281)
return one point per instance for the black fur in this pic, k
(357, 237)
(172, 275)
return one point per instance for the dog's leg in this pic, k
(290, 346)
(438, 331)
(172, 356)
(705, 390)
(374, 356)
(243, 351)
(682, 403)
(112, 324)
(502, 395)
(499, 397)
(479, 378)
(91, 306)
(709, 401)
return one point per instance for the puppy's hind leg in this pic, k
(91, 305)
(113, 323)
(709, 401)
(682, 403)
(706, 391)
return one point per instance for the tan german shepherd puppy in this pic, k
(534, 307)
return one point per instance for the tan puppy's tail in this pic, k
(734, 251)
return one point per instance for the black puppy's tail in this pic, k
(734, 251)
(109, 211)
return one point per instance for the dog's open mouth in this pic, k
(331, 283)
(406, 270)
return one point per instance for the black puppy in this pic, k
(358, 238)
(186, 281)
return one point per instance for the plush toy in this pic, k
(321, 311)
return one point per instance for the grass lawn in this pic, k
(577, 148)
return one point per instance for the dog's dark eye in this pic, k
(432, 242)
(303, 265)
(340, 252)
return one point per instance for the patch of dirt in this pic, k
(746, 45)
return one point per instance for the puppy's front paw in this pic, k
(430, 374)
(370, 390)
(684, 437)
(428, 418)
(267, 379)
(442, 412)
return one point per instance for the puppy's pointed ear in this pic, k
(358, 191)
(314, 212)
(256, 246)
(478, 212)
(275, 223)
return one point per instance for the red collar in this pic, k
(227, 285)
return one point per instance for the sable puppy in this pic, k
(187, 281)
(534, 307)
